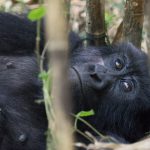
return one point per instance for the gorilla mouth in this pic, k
(77, 82)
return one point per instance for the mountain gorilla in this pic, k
(114, 81)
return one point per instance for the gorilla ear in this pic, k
(74, 41)
(129, 45)
(133, 46)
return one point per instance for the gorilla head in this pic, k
(115, 82)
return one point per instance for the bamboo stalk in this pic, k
(58, 47)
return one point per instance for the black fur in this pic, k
(118, 112)
(119, 97)
(22, 122)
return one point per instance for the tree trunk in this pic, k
(95, 22)
(133, 22)
(58, 46)
(147, 24)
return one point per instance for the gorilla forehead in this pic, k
(121, 48)
(137, 61)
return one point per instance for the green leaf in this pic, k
(39, 101)
(43, 75)
(85, 113)
(37, 14)
(108, 18)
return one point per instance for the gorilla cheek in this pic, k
(82, 92)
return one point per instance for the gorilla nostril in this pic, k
(105, 71)
(95, 76)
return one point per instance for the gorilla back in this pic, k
(22, 122)
(112, 80)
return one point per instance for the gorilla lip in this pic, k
(79, 79)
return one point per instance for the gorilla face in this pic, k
(119, 72)
(115, 82)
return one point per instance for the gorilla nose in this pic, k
(100, 77)
(98, 71)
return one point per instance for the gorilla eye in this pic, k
(127, 86)
(118, 64)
